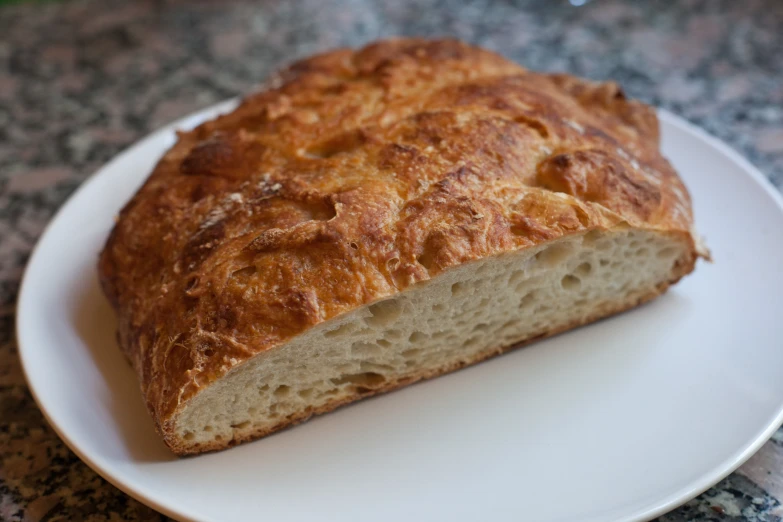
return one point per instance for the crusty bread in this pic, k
(377, 217)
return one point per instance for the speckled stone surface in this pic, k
(80, 80)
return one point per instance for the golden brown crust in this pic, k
(354, 176)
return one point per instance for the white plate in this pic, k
(620, 420)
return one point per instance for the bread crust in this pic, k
(353, 176)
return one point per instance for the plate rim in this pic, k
(149, 498)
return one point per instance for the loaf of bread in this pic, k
(376, 217)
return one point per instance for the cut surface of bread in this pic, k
(469, 314)
(378, 216)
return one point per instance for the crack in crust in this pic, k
(354, 175)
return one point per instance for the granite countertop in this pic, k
(80, 80)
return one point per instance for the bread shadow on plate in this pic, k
(96, 324)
